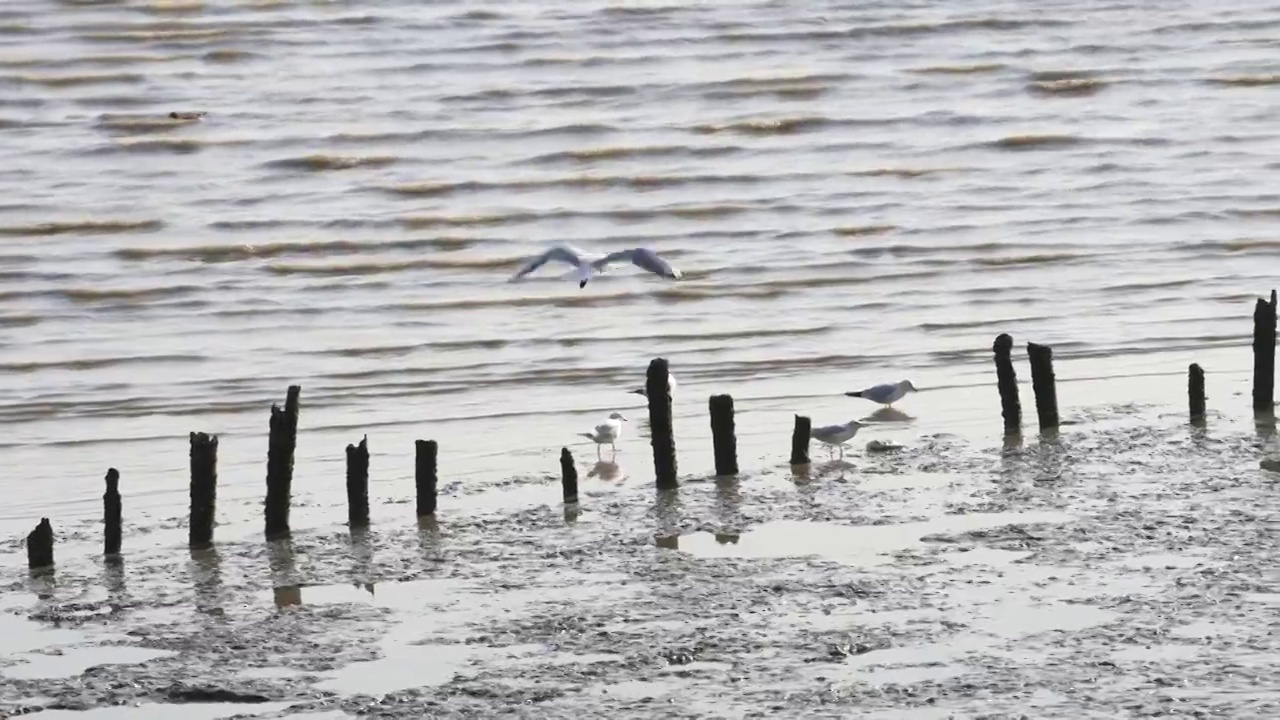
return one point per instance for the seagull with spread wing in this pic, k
(586, 268)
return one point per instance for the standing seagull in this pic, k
(586, 268)
(607, 432)
(836, 435)
(886, 394)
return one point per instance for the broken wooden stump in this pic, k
(282, 441)
(1195, 392)
(1007, 381)
(111, 514)
(568, 477)
(662, 434)
(358, 484)
(40, 546)
(1264, 354)
(723, 440)
(204, 489)
(424, 475)
(1044, 385)
(800, 441)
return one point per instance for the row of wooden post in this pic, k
(284, 428)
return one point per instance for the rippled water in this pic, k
(857, 192)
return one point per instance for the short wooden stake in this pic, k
(658, 391)
(1264, 354)
(1195, 392)
(204, 489)
(424, 475)
(1043, 383)
(722, 434)
(111, 514)
(358, 484)
(40, 546)
(281, 444)
(1007, 381)
(568, 477)
(800, 441)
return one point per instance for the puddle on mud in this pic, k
(157, 711)
(73, 661)
(864, 545)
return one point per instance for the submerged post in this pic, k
(40, 546)
(658, 389)
(111, 512)
(1195, 392)
(358, 484)
(1007, 381)
(568, 477)
(281, 443)
(1043, 383)
(800, 441)
(204, 489)
(1264, 354)
(722, 434)
(424, 475)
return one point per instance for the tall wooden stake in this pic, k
(1264, 354)
(424, 475)
(1043, 383)
(358, 484)
(658, 390)
(111, 514)
(568, 477)
(1195, 392)
(800, 441)
(281, 444)
(722, 435)
(40, 546)
(1007, 381)
(204, 489)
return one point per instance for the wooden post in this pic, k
(568, 477)
(722, 434)
(358, 484)
(204, 489)
(281, 443)
(111, 512)
(40, 546)
(800, 441)
(425, 475)
(1264, 354)
(1007, 380)
(1195, 392)
(1043, 383)
(658, 389)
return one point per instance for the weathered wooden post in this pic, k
(358, 484)
(1043, 383)
(800, 441)
(658, 390)
(568, 477)
(1264, 354)
(40, 546)
(111, 514)
(204, 489)
(722, 434)
(1195, 392)
(1007, 380)
(424, 475)
(281, 444)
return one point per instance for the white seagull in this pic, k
(886, 394)
(585, 268)
(607, 432)
(836, 435)
(643, 389)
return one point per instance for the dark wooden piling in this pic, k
(358, 484)
(723, 439)
(568, 477)
(1195, 392)
(1007, 381)
(281, 444)
(1264, 354)
(800, 441)
(40, 546)
(204, 489)
(111, 514)
(658, 389)
(424, 475)
(1044, 384)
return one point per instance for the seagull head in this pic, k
(906, 385)
(618, 416)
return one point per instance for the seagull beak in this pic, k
(637, 392)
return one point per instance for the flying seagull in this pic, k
(886, 394)
(585, 268)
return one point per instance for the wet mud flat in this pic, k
(1125, 568)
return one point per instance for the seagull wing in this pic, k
(879, 392)
(560, 253)
(826, 431)
(643, 258)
